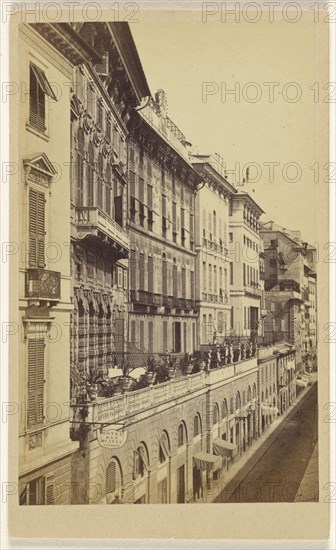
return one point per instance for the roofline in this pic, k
(223, 180)
(245, 195)
(123, 39)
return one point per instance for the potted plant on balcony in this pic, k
(125, 381)
(187, 363)
(199, 361)
(94, 380)
(150, 366)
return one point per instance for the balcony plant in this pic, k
(187, 363)
(199, 361)
(150, 366)
(94, 379)
(125, 381)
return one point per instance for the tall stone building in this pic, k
(246, 286)
(103, 95)
(162, 187)
(211, 241)
(47, 55)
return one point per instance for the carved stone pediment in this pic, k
(39, 169)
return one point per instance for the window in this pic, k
(120, 277)
(231, 273)
(150, 273)
(139, 467)
(192, 285)
(180, 435)
(111, 481)
(184, 286)
(141, 272)
(150, 336)
(231, 237)
(100, 115)
(197, 430)
(204, 277)
(100, 180)
(91, 175)
(40, 490)
(215, 415)
(38, 88)
(80, 168)
(108, 127)
(175, 286)
(108, 190)
(36, 228)
(35, 382)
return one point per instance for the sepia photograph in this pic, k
(169, 254)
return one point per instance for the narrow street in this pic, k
(277, 475)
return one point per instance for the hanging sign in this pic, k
(112, 438)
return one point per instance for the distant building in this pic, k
(290, 291)
(246, 286)
(211, 242)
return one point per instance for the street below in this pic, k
(277, 474)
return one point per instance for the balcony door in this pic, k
(180, 485)
(177, 336)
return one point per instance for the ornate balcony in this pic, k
(42, 284)
(253, 290)
(91, 221)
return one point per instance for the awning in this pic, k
(267, 410)
(43, 81)
(224, 448)
(207, 461)
(302, 383)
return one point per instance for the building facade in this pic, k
(100, 109)
(246, 287)
(46, 56)
(162, 186)
(211, 242)
(290, 280)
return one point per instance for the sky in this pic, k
(195, 63)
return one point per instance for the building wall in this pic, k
(212, 265)
(161, 226)
(99, 245)
(44, 441)
(222, 410)
(245, 287)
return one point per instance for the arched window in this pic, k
(113, 481)
(91, 175)
(100, 180)
(238, 400)
(224, 409)
(215, 415)
(181, 438)
(80, 168)
(141, 463)
(164, 447)
(249, 394)
(197, 425)
(254, 394)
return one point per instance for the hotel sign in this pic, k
(112, 438)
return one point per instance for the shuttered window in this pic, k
(36, 103)
(164, 278)
(175, 283)
(49, 489)
(150, 336)
(91, 175)
(36, 228)
(35, 381)
(150, 273)
(141, 272)
(80, 168)
(100, 180)
(111, 474)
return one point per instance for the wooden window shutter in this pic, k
(49, 489)
(35, 381)
(36, 228)
(111, 478)
(150, 273)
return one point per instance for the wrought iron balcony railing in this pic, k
(42, 284)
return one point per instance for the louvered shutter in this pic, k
(150, 273)
(35, 382)
(111, 478)
(36, 228)
(49, 489)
